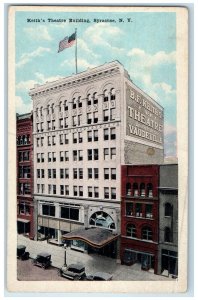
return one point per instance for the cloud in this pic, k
(83, 46)
(27, 57)
(22, 107)
(83, 64)
(170, 144)
(25, 85)
(41, 33)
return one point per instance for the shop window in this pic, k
(128, 189)
(142, 190)
(150, 190)
(131, 230)
(168, 210)
(48, 210)
(167, 235)
(147, 233)
(70, 213)
(129, 209)
(138, 210)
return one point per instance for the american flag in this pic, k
(67, 42)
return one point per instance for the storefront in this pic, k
(146, 260)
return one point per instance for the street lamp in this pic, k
(65, 256)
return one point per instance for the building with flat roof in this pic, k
(85, 127)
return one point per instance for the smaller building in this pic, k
(25, 176)
(139, 215)
(168, 220)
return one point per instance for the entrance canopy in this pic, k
(95, 237)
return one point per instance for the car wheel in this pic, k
(76, 278)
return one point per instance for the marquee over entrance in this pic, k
(95, 237)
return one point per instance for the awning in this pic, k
(22, 220)
(95, 237)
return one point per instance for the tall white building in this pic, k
(85, 126)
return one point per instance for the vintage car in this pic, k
(73, 272)
(42, 260)
(100, 276)
(21, 253)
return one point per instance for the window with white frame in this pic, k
(105, 115)
(106, 192)
(90, 193)
(113, 153)
(80, 137)
(106, 173)
(89, 171)
(113, 193)
(113, 173)
(106, 153)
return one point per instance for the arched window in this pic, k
(89, 99)
(37, 110)
(79, 102)
(41, 111)
(142, 190)
(168, 209)
(150, 190)
(147, 233)
(112, 94)
(128, 189)
(74, 103)
(102, 219)
(95, 98)
(60, 106)
(131, 230)
(167, 235)
(65, 105)
(48, 109)
(106, 98)
(135, 189)
(52, 107)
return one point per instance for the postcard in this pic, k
(97, 172)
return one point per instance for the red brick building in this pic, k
(25, 175)
(139, 215)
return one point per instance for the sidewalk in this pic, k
(92, 262)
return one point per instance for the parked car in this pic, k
(100, 276)
(42, 260)
(21, 253)
(73, 272)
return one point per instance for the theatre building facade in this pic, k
(25, 174)
(85, 127)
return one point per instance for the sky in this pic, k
(144, 42)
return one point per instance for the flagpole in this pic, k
(76, 51)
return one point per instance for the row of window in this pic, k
(139, 210)
(23, 139)
(92, 99)
(92, 118)
(92, 192)
(66, 212)
(141, 189)
(92, 154)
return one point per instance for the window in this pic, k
(66, 173)
(113, 153)
(53, 140)
(38, 157)
(70, 213)
(49, 173)
(37, 128)
(48, 109)
(96, 192)
(67, 190)
(106, 173)
(75, 174)
(106, 193)
(48, 210)
(60, 106)
(65, 105)
(53, 125)
(80, 137)
(66, 155)
(95, 98)
(75, 190)
(49, 189)
(66, 139)
(167, 235)
(95, 133)
(61, 139)
(54, 189)
(42, 188)
(129, 209)
(112, 114)
(38, 188)
(106, 153)
(74, 120)
(42, 141)
(66, 122)
(49, 157)
(80, 154)
(79, 102)
(62, 189)
(80, 191)
(96, 174)
(42, 173)
(38, 173)
(61, 156)
(37, 142)
(74, 103)
(106, 134)
(79, 120)
(147, 233)
(80, 173)
(149, 211)
(88, 99)
(113, 173)
(26, 156)
(42, 157)
(168, 210)
(105, 98)
(128, 189)
(142, 190)
(95, 154)
(89, 154)
(89, 173)
(52, 107)
(138, 210)
(112, 94)
(24, 208)
(135, 190)
(89, 118)
(54, 173)
(89, 191)
(61, 123)
(89, 136)
(113, 193)
(48, 125)
(105, 115)
(95, 117)
(75, 155)
(131, 230)
(53, 156)
(49, 140)
(113, 133)
(75, 137)
(61, 173)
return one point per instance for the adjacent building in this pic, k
(25, 174)
(168, 220)
(85, 127)
(139, 216)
